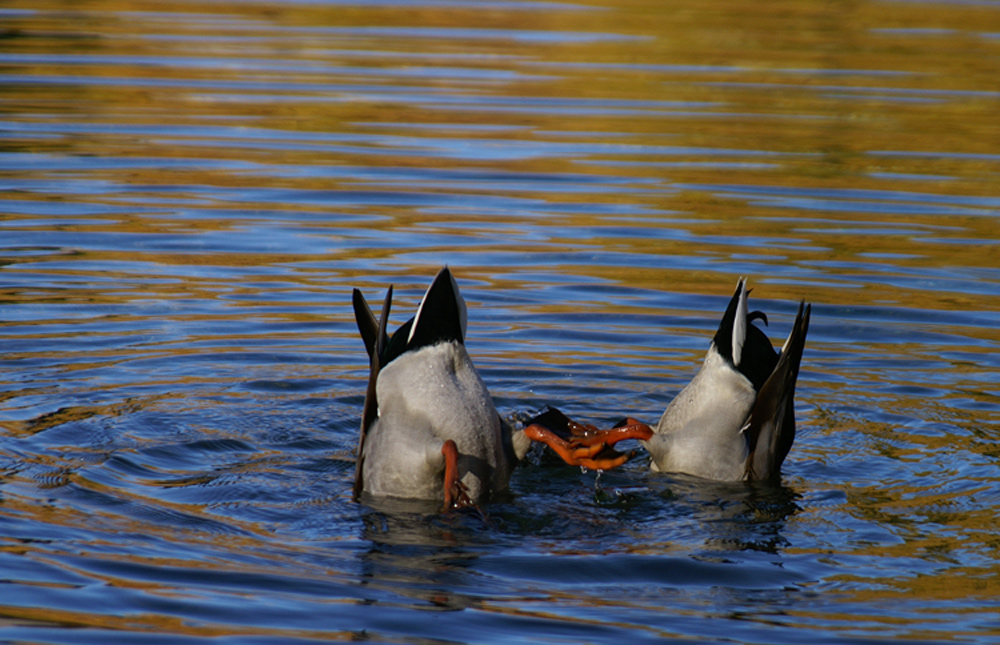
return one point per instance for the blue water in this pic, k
(189, 194)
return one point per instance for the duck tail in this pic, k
(376, 338)
(770, 430)
(441, 315)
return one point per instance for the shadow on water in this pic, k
(566, 527)
(582, 556)
(736, 516)
(417, 552)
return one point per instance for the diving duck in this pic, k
(734, 421)
(429, 428)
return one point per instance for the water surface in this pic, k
(188, 194)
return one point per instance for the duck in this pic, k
(429, 427)
(735, 419)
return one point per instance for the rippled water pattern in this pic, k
(189, 192)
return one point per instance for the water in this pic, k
(189, 192)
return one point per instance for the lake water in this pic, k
(190, 190)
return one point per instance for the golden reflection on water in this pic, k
(820, 95)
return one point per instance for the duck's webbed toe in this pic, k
(581, 444)
(456, 494)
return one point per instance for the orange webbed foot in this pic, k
(581, 444)
(456, 495)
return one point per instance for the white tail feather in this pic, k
(740, 324)
(784, 346)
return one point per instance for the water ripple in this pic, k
(189, 194)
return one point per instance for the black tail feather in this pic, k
(770, 430)
(370, 410)
(367, 324)
(441, 313)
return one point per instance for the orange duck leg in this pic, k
(581, 444)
